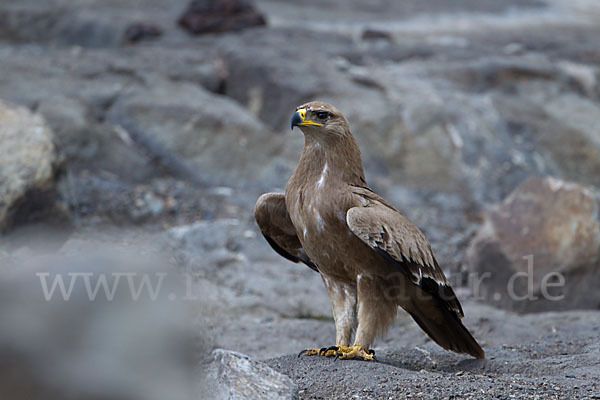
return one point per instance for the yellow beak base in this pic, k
(299, 119)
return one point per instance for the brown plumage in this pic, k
(370, 257)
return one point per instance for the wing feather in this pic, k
(276, 226)
(402, 244)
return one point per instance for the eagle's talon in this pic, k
(309, 352)
(331, 351)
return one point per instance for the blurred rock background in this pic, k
(159, 123)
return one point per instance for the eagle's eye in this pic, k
(322, 115)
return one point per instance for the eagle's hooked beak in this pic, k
(299, 119)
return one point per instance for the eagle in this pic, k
(371, 258)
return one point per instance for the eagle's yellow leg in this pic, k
(342, 352)
(326, 351)
(357, 352)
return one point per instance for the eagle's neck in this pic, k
(339, 160)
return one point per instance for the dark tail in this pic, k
(449, 332)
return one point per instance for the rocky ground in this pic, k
(119, 129)
(549, 355)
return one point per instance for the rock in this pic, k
(90, 197)
(144, 30)
(376, 34)
(31, 23)
(217, 16)
(223, 142)
(235, 376)
(555, 126)
(90, 25)
(540, 248)
(70, 345)
(28, 159)
(72, 124)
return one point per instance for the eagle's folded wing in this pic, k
(276, 226)
(403, 245)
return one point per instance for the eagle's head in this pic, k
(321, 120)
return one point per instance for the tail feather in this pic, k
(448, 332)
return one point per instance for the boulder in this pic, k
(216, 16)
(219, 138)
(88, 343)
(540, 248)
(28, 158)
(29, 21)
(235, 376)
(141, 30)
(72, 124)
(556, 127)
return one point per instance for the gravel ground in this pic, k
(558, 359)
